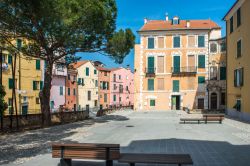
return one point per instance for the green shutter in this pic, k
(41, 85)
(95, 72)
(151, 64)
(150, 84)
(239, 49)
(61, 90)
(9, 59)
(177, 42)
(38, 64)
(151, 43)
(11, 83)
(34, 85)
(223, 73)
(176, 85)
(201, 61)
(87, 71)
(152, 103)
(201, 41)
(19, 43)
(177, 64)
(114, 97)
(201, 80)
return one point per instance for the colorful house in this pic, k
(29, 81)
(58, 88)
(71, 89)
(121, 87)
(238, 66)
(171, 64)
(87, 79)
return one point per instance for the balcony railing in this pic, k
(184, 70)
(150, 72)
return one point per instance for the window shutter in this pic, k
(82, 82)
(150, 84)
(223, 73)
(177, 64)
(61, 90)
(38, 64)
(201, 61)
(11, 83)
(95, 72)
(201, 80)
(241, 77)
(177, 41)
(176, 85)
(235, 78)
(151, 64)
(152, 102)
(9, 59)
(34, 85)
(201, 41)
(151, 43)
(87, 71)
(41, 85)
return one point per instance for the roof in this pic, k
(102, 68)
(160, 25)
(230, 9)
(79, 63)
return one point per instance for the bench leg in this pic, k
(65, 162)
(109, 163)
(132, 164)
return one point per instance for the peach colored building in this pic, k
(171, 64)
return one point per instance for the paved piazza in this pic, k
(212, 144)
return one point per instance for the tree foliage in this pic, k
(55, 29)
(3, 104)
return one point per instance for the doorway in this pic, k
(214, 101)
(176, 102)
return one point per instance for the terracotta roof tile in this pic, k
(102, 68)
(78, 64)
(167, 25)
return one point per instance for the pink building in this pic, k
(121, 87)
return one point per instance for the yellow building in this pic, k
(29, 80)
(171, 64)
(238, 61)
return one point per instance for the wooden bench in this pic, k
(191, 120)
(179, 159)
(213, 117)
(67, 152)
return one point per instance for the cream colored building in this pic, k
(87, 79)
(238, 59)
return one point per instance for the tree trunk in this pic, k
(45, 96)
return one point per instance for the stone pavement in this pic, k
(212, 144)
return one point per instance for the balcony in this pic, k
(188, 70)
(150, 72)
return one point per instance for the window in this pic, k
(74, 91)
(201, 41)
(114, 97)
(9, 59)
(160, 42)
(127, 88)
(74, 78)
(105, 73)
(238, 105)
(120, 99)
(35, 85)
(151, 43)
(41, 85)
(223, 99)
(150, 84)
(96, 83)
(114, 87)
(11, 83)
(231, 24)
(89, 95)
(10, 106)
(177, 42)
(68, 91)
(38, 64)
(120, 88)
(160, 64)
(223, 47)
(120, 77)
(152, 103)
(19, 43)
(105, 97)
(201, 61)
(201, 80)
(151, 65)
(176, 85)
(201, 103)
(213, 48)
(238, 17)
(213, 73)
(223, 73)
(95, 71)
(95, 103)
(87, 71)
(68, 76)
(61, 91)
(114, 77)
(160, 83)
(175, 21)
(191, 41)
(37, 100)
(239, 53)
(239, 77)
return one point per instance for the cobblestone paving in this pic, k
(212, 144)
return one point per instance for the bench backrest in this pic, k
(213, 115)
(86, 151)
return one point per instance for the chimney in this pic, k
(145, 20)
(166, 16)
(188, 24)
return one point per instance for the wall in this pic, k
(71, 99)
(102, 92)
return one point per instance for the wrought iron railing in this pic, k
(187, 69)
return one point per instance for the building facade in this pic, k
(216, 83)
(238, 39)
(171, 64)
(28, 79)
(104, 86)
(71, 89)
(121, 87)
(58, 87)
(87, 80)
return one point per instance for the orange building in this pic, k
(71, 89)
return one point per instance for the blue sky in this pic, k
(131, 14)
